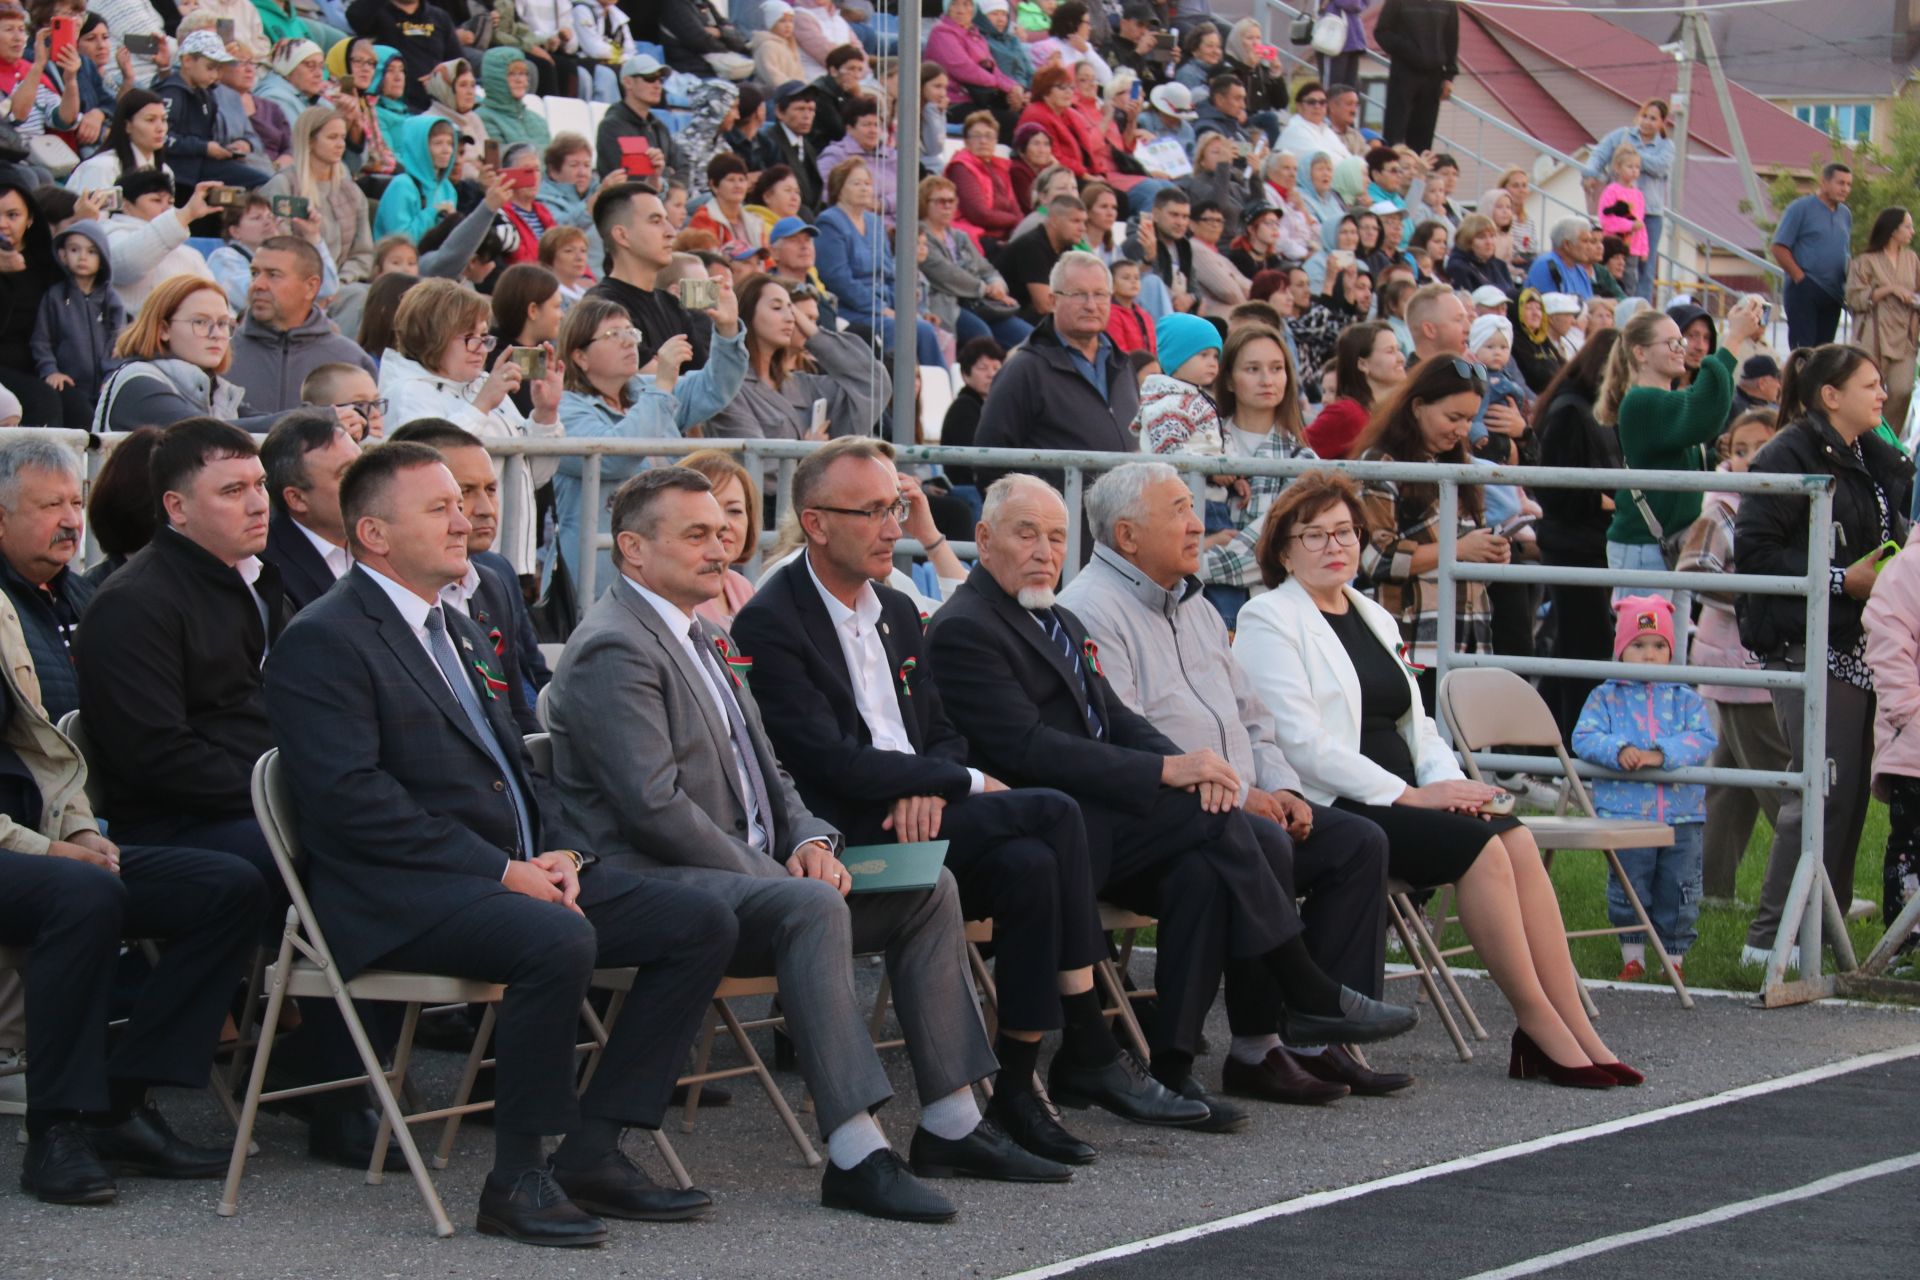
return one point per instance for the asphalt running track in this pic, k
(1812, 1175)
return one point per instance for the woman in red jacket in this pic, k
(984, 180)
(1052, 109)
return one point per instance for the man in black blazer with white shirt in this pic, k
(428, 851)
(1024, 685)
(840, 673)
(305, 455)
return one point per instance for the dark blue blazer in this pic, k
(402, 812)
(304, 576)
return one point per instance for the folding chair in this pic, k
(1430, 965)
(1486, 707)
(1107, 976)
(305, 967)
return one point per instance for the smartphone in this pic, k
(532, 362)
(1883, 555)
(1136, 91)
(292, 207)
(1499, 807)
(108, 198)
(819, 423)
(144, 46)
(523, 179)
(64, 31)
(1163, 46)
(225, 28)
(1515, 527)
(227, 197)
(491, 151)
(1266, 53)
(699, 293)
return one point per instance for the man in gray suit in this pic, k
(660, 753)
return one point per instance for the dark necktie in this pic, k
(737, 726)
(469, 701)
(1061, 641)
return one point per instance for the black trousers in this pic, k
(1582, 628)
(1340, 870)
(1209, 879)
(679, 939)
(1813, 314)
(203, 907)
(1413, 107)
(1020, 857)
(320, 1049)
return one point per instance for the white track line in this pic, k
(1712, 1217)
(1321, 1199)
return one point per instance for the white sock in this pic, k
(1253, 1050)
(854, 1141)
(1633, 953)
(952, 1117)
(1309, 1051)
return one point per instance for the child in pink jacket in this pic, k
(1623, 211)
(1892, 621)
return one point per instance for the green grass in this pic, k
(1581, 879)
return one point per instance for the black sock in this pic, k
(1088, 1041)
(1171, 1067)
(38, 1122)
(1303, 985)
(124, 1097)
(514, 1153)
(590, 1144)
(1018, 1059)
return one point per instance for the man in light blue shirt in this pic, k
(1811, 244)
(1565, 270)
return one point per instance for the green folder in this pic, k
(894, 868)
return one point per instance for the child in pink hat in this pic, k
(1632, 724)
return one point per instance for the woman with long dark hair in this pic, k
(1427, 420)
(1368, 364)
(1883, 292)
(135, 140)
(1572, 529)
(1831, 400)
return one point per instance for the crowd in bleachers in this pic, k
(381, 235)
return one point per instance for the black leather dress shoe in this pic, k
(1279, 1077)
(61, 1168)
(711, 1095)
(344, 1136)
(1122, 1087)
(619, 1188)
(986, 1153)
(1362, 1020)
(534, 1210)
(1030, 1120)
(1341, 1067)
(143, 1146)
(881, 1186)
(1222, 1116)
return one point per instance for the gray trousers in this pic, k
(1849, 750)
(805, 934)
(1750, 738)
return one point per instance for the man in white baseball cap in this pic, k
(1488, 300)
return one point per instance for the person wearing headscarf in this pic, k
(452, 88)
(1533, 345)
(353, 65)
(391, 109)
(422, 192)
(1350, 180)
(994, 20)
(503, 111)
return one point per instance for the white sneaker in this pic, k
(1758, 956)
(13, 1088)
(1863, 909)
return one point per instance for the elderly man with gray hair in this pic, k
(1067, 386)
(1565, 269)
(1167, 654)
(41, 518)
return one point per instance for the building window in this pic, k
(1850, 122)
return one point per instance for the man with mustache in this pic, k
(41, 517)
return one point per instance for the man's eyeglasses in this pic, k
(480, 341)
(897, 510)
(365, 408)
(1311, 102)
(629, 336)
(1085, 296)
(208, 326)
(1315, 540)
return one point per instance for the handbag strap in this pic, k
(1645, 508)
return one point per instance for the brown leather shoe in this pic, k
(1341, 1067)
(1278, 1078)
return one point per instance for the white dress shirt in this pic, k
(335, 558)
(680, 623)
(459, 595)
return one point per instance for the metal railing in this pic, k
(1276, 15)
(1811, 904)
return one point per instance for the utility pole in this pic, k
(1682, 103)
(1703, 41)
(906, 244)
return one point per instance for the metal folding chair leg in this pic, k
(1423, 971)
(476, 1059)
(1107, 977)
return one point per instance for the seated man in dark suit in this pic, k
(490, 593)
(169, 655)
(659, 751)
(842, 679)
(1023, 682)
(417, 805)
(305, 455)
(69, 896)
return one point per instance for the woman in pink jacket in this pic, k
(974, 80)
(1892, 621)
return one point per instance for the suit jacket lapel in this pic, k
(1026, 626)
(696, 681)
(413, 657)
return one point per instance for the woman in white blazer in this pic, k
(1327, 661)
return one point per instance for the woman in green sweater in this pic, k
(1662, 429)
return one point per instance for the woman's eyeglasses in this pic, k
(628, 337)
(480, 342)
(1314, 541)
(208, 326)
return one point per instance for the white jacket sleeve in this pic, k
(135, 247)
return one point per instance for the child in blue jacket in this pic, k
(1634, 724)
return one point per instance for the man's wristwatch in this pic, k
(579, 862)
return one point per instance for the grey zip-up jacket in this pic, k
(1168, 656)
(270, 364)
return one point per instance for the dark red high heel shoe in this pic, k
(1530, 1062)
(1622, 1073)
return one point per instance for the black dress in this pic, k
(1425, 847)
